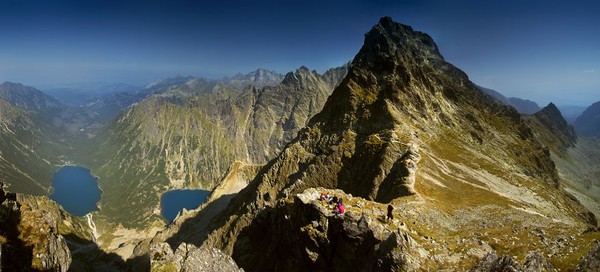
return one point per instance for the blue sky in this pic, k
(540, 50)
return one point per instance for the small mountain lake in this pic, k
(172, 202)
(76, 190)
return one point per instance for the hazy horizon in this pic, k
(544, 51)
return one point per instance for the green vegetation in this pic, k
(30, 151)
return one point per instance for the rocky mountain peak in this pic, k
(551, 110)
(390, 44)
(551, 118)
(403, 126)
(301, 74)
(260, 75)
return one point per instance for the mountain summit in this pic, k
(407, 128)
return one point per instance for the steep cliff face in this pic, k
(404, 125)
(168, 142)
(588, 123)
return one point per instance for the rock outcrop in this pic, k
(190, 258)
(534, 262)
(591, 261)
(31, 240)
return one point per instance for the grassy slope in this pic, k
(28, 151)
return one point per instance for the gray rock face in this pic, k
(534, 262)
(301, 233)
(189, 258)
(591, 261)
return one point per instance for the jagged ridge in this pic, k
(401, 114)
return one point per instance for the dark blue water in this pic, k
(76, 190)
(172, 202)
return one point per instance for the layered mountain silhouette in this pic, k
(522, 105)
(588, 123)
(403, 127)
(188, 134)
(27, 98)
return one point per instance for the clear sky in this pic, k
(539, 50)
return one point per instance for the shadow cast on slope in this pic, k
(16, 255)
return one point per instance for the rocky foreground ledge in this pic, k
(362, 239)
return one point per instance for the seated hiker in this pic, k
(322, 196)
(334, 200)
(336, 209)
(341, 208)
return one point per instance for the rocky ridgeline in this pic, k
(403, 125)
(314, 238)
(302, 233)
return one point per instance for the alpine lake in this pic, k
(77, 191)
(174, 201)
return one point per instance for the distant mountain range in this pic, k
(218, 124)
(27, 98)
(522, 105)
(588, 123)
